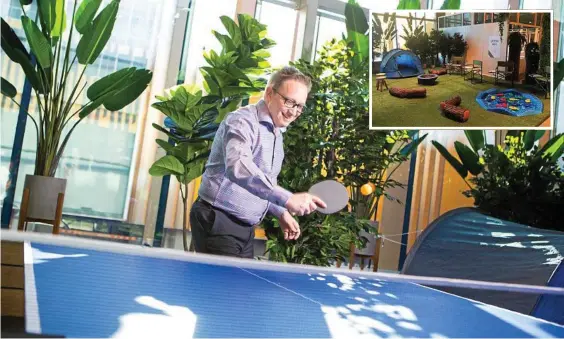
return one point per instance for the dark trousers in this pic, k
(216, 232)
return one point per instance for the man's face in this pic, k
(286, 103)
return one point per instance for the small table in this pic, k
(380, 81)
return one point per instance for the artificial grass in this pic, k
(389, 111)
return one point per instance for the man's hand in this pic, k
(303, 203)
(290, 226)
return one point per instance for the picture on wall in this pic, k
(461, 69)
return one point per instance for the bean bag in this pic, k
(454, 101)
(456, 113)
(418, 92)
(438, 71)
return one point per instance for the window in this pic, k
(467, 18)
(526, 18)
(538, 4)
(377, 5)
(478, 18)
(474, 4)
(329, 28)
(205, 19)
(488, 18)
(281, 24)
(99, 158)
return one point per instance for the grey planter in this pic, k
(42, 200)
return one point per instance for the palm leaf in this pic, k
(97, 35)
(85, 14)
(38, 42)
(7, 88)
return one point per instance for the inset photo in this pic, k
(461, 70)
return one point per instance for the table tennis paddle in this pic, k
(333, 193)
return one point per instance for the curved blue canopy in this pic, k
(401, 63)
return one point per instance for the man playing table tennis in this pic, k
(239, 185)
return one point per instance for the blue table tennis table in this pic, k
(74, 288)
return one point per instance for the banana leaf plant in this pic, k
(519, 181)
(193, 117)
(48, 66)
(451, 4)
(409, 4)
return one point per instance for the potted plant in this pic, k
(331, 141)
(520, 181)
(192, 117)
(48, 67)
(371, 182)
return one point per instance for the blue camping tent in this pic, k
(401, 63)
(467, 244)
(550, 307)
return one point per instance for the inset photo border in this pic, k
(452, 69)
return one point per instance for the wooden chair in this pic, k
(542, 80)
(456, 65)
(477, 69)
(502, 70)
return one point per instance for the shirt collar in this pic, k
(264, 115)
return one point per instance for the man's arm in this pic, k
(241, 169)
(276, 210)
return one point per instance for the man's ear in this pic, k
(268, 93)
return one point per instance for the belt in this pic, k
(234, 219)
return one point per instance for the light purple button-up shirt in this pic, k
(242, 169)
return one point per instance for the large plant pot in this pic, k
(370, 247)
(42, 200)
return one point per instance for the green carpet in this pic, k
(389, 111)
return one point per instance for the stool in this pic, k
(381, 81)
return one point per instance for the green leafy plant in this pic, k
(192, 117)
(558, 73)
(545, 47)
(451, 4)
(48, 65)
(369, 167)
(409, 4)
(383, 31)
(459, 45)
(501, 19)
(330, 140)
(519, 182)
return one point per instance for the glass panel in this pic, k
(377, 5)
(467, 19)
(513, 17)
(281, 23)
(489, 18)
(478, 18)
(328, 29)
(537, 4)
(475, 4)
(99, 157)
(526, 18)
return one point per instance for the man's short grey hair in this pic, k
(288, 73)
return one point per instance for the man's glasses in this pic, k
(290, 103)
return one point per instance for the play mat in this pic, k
(509, 101)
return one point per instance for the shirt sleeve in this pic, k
(276, 210)
(240, 168)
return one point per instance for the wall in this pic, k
(477, 37)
